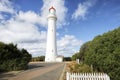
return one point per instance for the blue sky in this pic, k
(24, 22)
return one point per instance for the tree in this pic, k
(75, 56)
(11, 58)
(103, 52)
(83, 49)
(67, 59)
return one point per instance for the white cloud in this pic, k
(28, 16)
(82, 9)
(68, 45)
(22, 30)
(17, 31)
(1, 17)
(6, 6)
(36, 48)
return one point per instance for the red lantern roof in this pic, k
(52, 8)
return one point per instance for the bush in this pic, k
(11, 58)
(75, 67)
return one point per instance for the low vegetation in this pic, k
(37, 59)
(12, 58)
(75, 67)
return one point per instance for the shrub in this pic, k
(11, 58)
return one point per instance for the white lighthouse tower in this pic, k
(51, 47)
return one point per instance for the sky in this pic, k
(24, 22)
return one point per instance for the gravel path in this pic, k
(39, 71)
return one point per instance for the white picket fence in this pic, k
(87, 76)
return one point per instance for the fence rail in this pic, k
(87, 76)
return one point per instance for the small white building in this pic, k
(59, 58)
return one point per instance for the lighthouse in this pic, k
(51, 46)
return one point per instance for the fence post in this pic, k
(67, 76)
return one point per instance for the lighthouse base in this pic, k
(57, 59)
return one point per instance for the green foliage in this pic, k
(67, 59)
(75, 56)
(80, 55)
(83, 48)
(11, 58)
(103, 52)
(39, 58)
